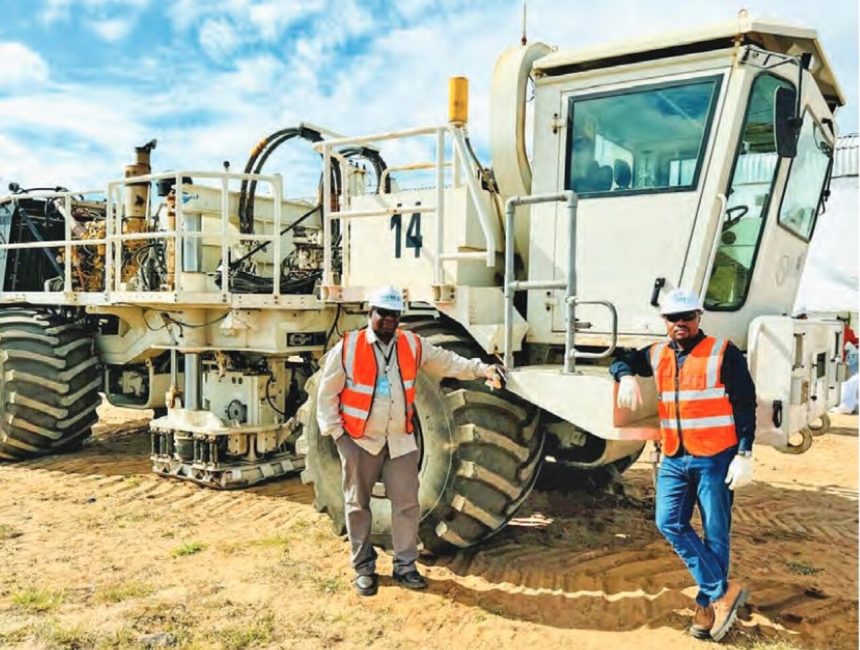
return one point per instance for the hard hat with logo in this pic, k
(387, 298)
(679, 301)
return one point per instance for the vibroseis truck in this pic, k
(697, 160)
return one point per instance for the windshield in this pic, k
(645, 140)
(800, 205)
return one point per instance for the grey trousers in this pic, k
(361, 470)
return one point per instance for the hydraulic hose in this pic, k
(259, 154)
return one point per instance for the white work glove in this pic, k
(629, 395)
(740, 472)
(495, 376)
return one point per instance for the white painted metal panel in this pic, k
(373, 246)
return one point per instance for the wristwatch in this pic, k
(747, 453)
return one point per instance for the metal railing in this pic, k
(462, 165)
(115, 239)
(67, 243)
(181, 232)
(569, 284)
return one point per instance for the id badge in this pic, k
(383, 388)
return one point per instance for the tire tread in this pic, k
(50, 382)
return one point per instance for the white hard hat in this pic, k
(678, 301)
(387, 298)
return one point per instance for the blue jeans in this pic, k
(687, 480)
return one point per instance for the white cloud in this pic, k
(395, 77)
(218, 38)
(101, 118)
(253, 20)
(54, 10)
(111, 20)
(112, 29)
(20, 66)
(258, 74)
(270, 18)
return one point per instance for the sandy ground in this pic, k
(97, 552)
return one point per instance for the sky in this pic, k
(84, 81)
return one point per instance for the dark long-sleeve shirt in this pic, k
(734, 374)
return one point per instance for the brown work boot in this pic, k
(703, 621)
(726, 609)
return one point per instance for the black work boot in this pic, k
(410, 580)
(367, 585)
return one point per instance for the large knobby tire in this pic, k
(49, 383)
(480, 455)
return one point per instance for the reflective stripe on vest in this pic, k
(697, 411)
(360, 366)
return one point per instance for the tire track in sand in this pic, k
(607, 568)
(116, 468)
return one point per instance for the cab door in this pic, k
(636, 157)
(772, 204)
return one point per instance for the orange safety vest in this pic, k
(693, 406)
(359, 363)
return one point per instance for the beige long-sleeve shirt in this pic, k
(386, 423)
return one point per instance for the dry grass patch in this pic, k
(120, 591)
(802, 568)
(329, 586)
(14, 636)
(187, 548)
(245, 635)
(165, 619)
(37, 600)
(278, 542)
(72, 638)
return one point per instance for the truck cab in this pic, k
(671, 148)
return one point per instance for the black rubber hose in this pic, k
(376, 160)
(308, 134)
(255, 163)
(255, 152)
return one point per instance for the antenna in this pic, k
(524, 40)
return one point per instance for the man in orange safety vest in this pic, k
(706, 404)
(366, 403)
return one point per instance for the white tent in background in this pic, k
(830, 278)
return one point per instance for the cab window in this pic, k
(650, 139)
(747, 199)
(802, 201)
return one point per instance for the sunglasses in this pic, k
(686, 316)
(385, 313)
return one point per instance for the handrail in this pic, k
(569, 285)
(614, 329)
(475, 190)
(114, 237)
(328, 149)
(512, 286)
(409, 167)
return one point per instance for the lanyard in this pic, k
(386, 357)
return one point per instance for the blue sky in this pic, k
(83, 81)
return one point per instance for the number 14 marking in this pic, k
(413, 233)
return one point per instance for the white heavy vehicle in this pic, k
(698, 160)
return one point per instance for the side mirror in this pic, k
(786, 122)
